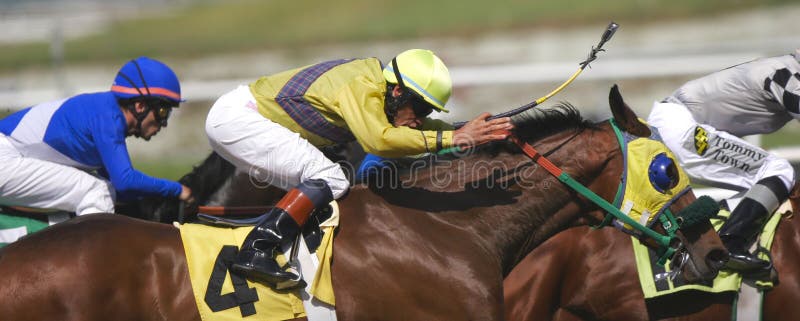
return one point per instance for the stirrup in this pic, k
(746, 267)
(291, 284)
(251, 272)
(294, 265)
(766, 274)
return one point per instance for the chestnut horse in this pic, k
(434, 247)
(581, 274)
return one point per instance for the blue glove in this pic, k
(370, 165)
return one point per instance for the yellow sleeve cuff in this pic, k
(436, 140)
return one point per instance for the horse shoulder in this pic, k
(388, 258)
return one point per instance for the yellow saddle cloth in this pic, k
(654, 286)
(221, 295)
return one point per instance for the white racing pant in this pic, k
(269, 152)
(35, 183)
(712, 157)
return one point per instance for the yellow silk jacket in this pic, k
(342, 100)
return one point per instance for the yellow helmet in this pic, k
(422, 72)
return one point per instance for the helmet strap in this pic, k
(397, 74)
(393, 103)
(139, 116)
(405, 95)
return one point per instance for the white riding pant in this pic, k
(36, 183)
(269, 152)
(712, 157)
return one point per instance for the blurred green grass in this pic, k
(204, 28)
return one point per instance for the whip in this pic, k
(607, 34)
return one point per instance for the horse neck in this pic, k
(217, 182)
(506, 201)
(547, 206)
(204, 180)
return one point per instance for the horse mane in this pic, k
(531, 125)
(206, 178)
(537, 123)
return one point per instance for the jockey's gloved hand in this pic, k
(479, 131)
(186, 196)
(187, 200)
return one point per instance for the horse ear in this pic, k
(625, 116)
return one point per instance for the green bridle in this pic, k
(666, 217)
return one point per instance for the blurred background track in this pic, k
(502, 54)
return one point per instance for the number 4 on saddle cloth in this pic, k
(211, 249)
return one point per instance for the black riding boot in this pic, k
(739, 233)
(745, 222)
(256, 259)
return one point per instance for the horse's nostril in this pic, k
(717, 258)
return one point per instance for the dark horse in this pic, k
(581, 274)
(216, 182)
(435, 247)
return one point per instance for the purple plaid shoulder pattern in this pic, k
(291, 99)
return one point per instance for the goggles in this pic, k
(162, 115)
(421, 108)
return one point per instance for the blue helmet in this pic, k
(147, 77)
(663, 173)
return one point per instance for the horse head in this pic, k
(619, 172)
(695, 250)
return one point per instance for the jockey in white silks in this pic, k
(703, 122)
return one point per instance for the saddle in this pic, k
(312, 233)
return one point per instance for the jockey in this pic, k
(49, 150)
(703, 122)
(274, 126)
